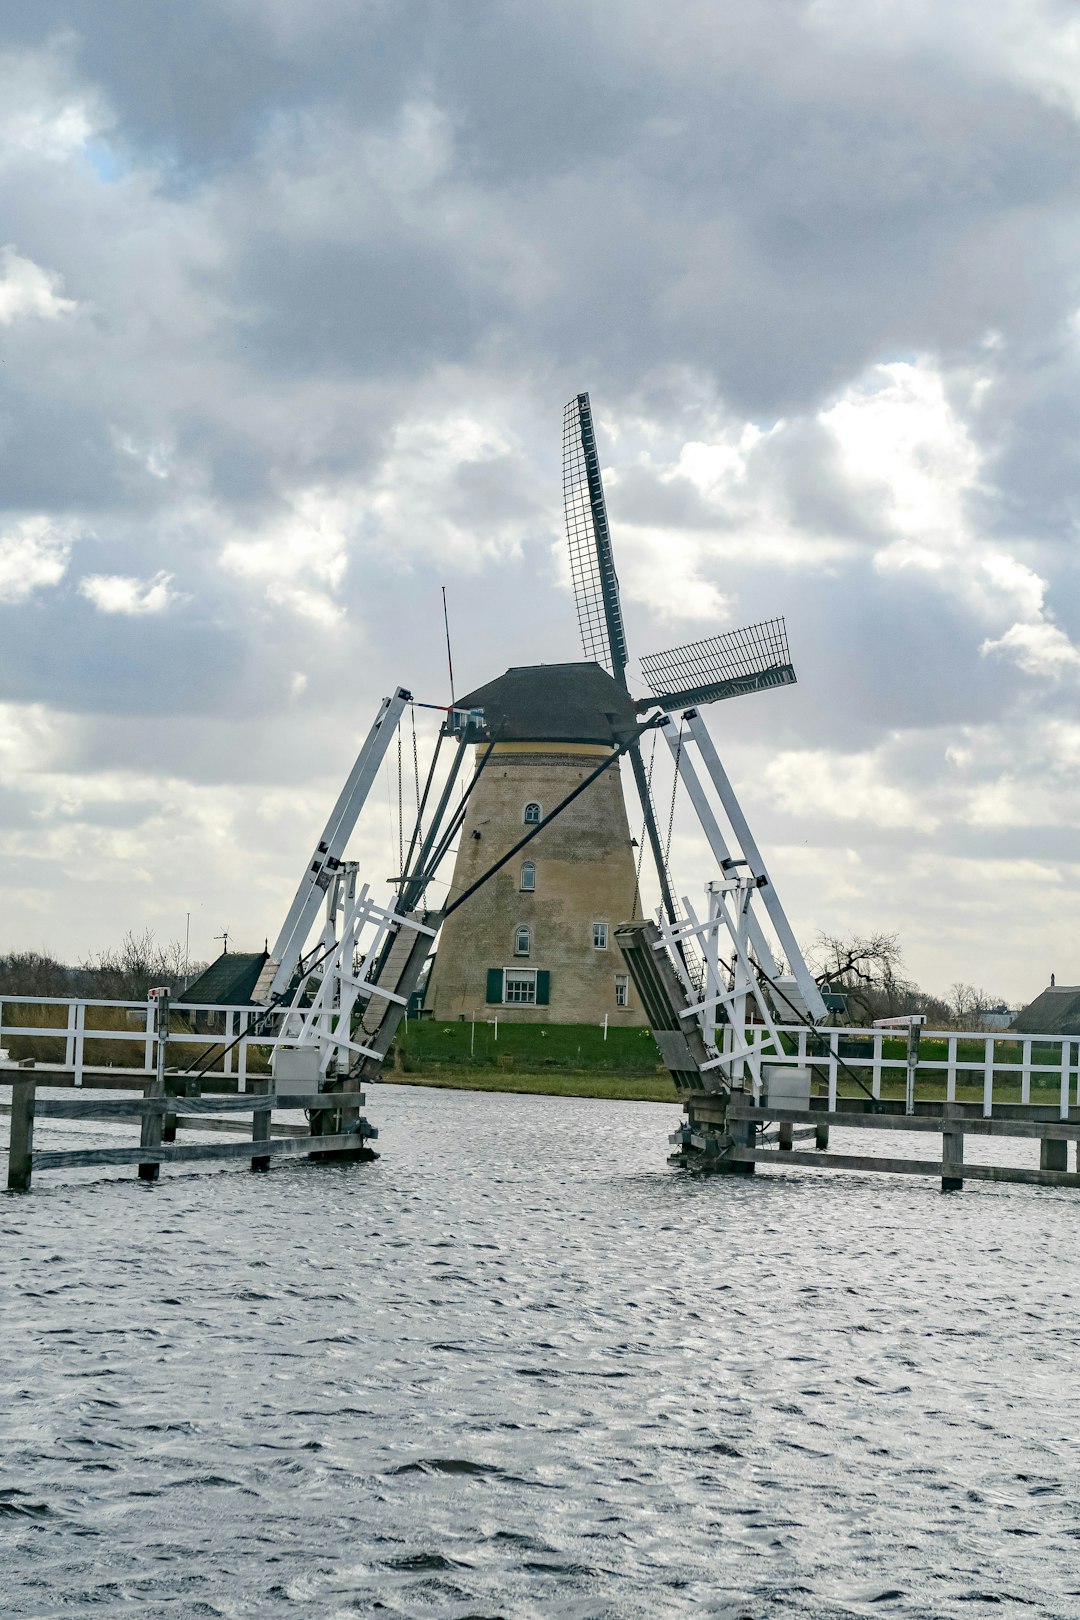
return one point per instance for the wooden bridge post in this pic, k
(952, 1150)
(260, 1125)
(21, 1147)
(1053, 1155)
(152, 1123)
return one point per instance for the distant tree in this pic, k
(34, 973)
(126, 973)
(969, 1006)
(866, 969)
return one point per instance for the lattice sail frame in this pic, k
(592, 565)
(751, 659)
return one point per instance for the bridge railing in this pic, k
(81, 1022)
(952, 1066)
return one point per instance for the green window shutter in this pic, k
(495, 986)
(543, 987)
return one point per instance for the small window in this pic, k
(599, 936)
(528, 877)
(520, 987)
(533, 815)
(522, 941)
(622, 990)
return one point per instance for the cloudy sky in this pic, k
(292, 293)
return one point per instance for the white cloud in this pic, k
(27, 289)
(903, 444)
(844, 787)
(33, 554)
(1037, 649)
(122, 593)
(299, 558)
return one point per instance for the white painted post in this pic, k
(80, 1040)
(241, 1073)
(1066, 1059)
(69, 1044)
(913, 1034)
(988, 1076)
(605, 1026)
(834, 1039)
(950, 1072)
(496, 1026)
(148, 1053)
(875, 1078)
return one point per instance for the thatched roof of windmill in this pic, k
(1055, 1011)
(554, 703)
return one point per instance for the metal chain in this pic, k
(641, 840)
(400, 805)
(415, 762)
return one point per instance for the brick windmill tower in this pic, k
(536, 941)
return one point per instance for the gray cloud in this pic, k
(320, 281)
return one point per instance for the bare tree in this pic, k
(969, 1006)
(864, 968)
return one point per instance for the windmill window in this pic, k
(528, 877)
(622, 990)
(533, 814)
(522, 941)
(520, 987)
(599, 936)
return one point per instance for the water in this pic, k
(521, 1368)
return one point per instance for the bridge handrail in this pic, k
(994, 1069)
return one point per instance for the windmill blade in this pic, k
(592, 565)
(739, 661)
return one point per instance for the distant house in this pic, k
(1055, 1011)
(228, 982)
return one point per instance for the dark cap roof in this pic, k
(229, 981)
(553, 703)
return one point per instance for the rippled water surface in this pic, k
(519, 1367)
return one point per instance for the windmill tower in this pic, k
(536, 941)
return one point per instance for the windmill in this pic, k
(534, 924)
(530, 942)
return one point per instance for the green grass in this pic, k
(427, 1045)
(614, 1087)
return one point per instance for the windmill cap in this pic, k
(553, 703)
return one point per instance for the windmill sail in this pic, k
(592, 565)
(596, 592)
(752, 659)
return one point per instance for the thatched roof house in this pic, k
(1055, 1011)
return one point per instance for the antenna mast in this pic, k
(449, 658)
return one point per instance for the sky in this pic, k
(291, 298)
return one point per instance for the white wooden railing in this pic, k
(73, 1029)
(1003, 1059)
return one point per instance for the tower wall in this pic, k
(584, 875)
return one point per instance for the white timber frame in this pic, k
(286, 958)
(798, 987)
(321, 1011)
(730, 981)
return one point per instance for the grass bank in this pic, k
(617, 1088)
